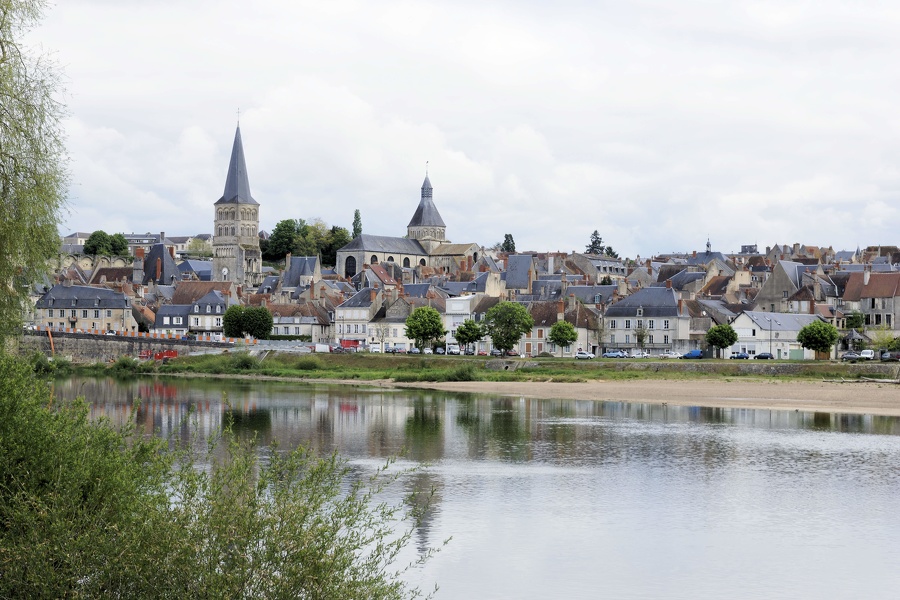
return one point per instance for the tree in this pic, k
(89, 511)
(596, 246)
(97, 243)
(469, 332)
(606, 280)
(424, 325)
(118, 245)
(33, 176)
(563, 334)
(721, 336)
(201, 248)
(283, 239)
(881, 337)
(509, 244)
(640, 336)
(506, 323)
(357, 225)
(257, 321)
(338, 237)
(818, 336)
(856, 320)
(233, 321)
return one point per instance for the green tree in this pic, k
(283, 239)
(233, 321)
(596, 246)
(424, 325)
(201, 248)
(88, 511)
(606, 280)
(256, 321)
(33, 177)
(640, 336)
(98, 243)
(563, 334)
(881, 337)
(509, 244)
(338, 237)
(118, 245)
(721, 336)
(469, 332)
(856, 320)
(818, 336)
(506, 323)
(357, 224)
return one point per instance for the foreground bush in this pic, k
(89, 511)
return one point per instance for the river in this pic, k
(581, 499)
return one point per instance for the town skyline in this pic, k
(659, 127)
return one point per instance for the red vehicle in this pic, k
(166, 354)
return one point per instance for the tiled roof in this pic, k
(82, 296)
(655, 302)
(379, 243)
(426, 214)
(237, 183)
(188, 292)
(881, 285)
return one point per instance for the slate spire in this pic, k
(426, 214)
(237, 184)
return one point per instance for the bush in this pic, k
(88, 511)
(243, 361)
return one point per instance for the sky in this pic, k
(658, 123)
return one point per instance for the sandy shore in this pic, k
(858, 398)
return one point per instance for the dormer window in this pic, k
(640, 311)
(218, 308)
(208, 308)
(196, 308)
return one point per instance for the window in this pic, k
(627, 339)
(752, 333)
(356, 328)
(218, 309)
(165, 320)
(196, 321)
(887, 319)
(49, 312)
(176, 320)
(665, 323)
(73, 313)
(340, 329)
(540, 333)
(640, 312)
(196, 308)
(612, 338)
(666, 339)
(208, 308)
(108, 314)
(640, 323)
(649, 339)
(364, 328)
(218, 321)
(784, 294)
(612, 324)
(627, 323)
(96, 314)
(650, 324)
(84, 314)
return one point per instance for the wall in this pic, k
(87, 348)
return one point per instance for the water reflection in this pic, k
(554, 498)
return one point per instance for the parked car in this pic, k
(496, 352)
(482, 353)
(453, 349)
(512, 352)
(414, 351)
(614, 354)
(850, 356)
(740, 355)
(470, 352)
(375, 349)
(693, 354)
(439, 350)
(639, 354)
(670, 354)
(890, 356)
(867, 354)
(764, 356)
(582, 355)
(427, 351)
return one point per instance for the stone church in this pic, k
(425, 245)
(236, 253)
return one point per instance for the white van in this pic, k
(452, 348)
(867, 355)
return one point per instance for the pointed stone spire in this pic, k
(237, 184)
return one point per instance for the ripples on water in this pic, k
(565, 499)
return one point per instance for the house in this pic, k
(353, 316)
(654, 315)
(307, 319)
(876, 295)
(79, 307)
(776, 333)
(206, 313)
(172, 319)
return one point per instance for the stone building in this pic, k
(236, 253)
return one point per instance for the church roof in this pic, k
(237, 184)
(426, 214)
(379, 243)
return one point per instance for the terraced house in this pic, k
(86, 308)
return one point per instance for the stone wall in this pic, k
(88, 348)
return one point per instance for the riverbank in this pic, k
(856, 397)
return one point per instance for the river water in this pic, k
(578, 499)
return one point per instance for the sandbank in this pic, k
(833, 397)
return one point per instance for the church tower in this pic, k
(236, 253)
(426, 225)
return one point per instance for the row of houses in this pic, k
(666, 303)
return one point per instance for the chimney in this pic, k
(373, 293)
(866, 274)
(550, 265)
(139, 253)
(572, 302)
(668, 284)
(622, 288)
(694, 254)
(796, 249)
(287, 262)
(158, 269)
(563, 284)
(172, 251)
(680, 302)
(312, 287)
(561, 310)
(162, 237)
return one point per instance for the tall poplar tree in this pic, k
(357, 224)
(33, 175)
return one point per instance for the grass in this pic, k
(367, 367)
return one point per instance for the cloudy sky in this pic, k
(658, 123)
